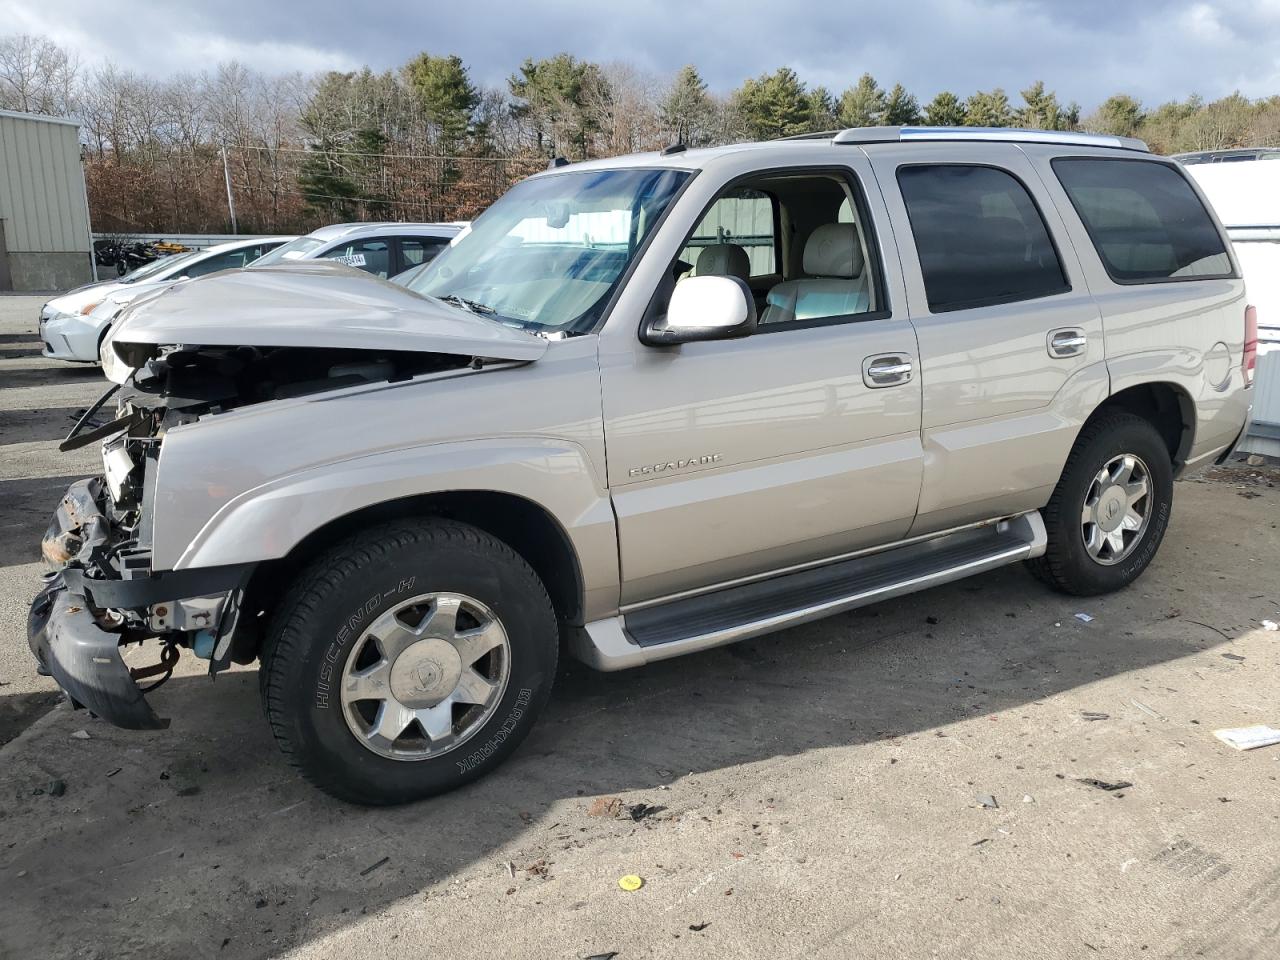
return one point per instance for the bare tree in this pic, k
(37, 76)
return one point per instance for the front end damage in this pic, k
(103, 593)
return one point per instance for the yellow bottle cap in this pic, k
(631, 882)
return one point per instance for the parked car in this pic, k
(962, 349)
(382, 249)
(72, 325)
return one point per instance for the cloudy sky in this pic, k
(1084, 49)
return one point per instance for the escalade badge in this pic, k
(650, 469)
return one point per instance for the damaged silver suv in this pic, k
(643, 407)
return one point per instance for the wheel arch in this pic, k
(525, 526)
(1166, 406)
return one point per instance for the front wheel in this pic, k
(1109, 511)
(408, 661)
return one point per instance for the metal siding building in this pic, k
(44, 211)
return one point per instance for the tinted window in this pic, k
(371, 256)
(1144, 220)
(980, 238)
(743, 217)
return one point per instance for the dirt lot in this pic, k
(818, 789)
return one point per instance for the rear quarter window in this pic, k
(1146, 222)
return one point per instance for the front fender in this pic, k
(268, 521)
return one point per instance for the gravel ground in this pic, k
(819, 791)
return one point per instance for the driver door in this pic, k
(735, 458)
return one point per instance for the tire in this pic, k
(328, 621)
(1068, 564)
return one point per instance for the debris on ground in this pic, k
(1270, 625)
(79, 735)
(605, 807)
(1147, 710)
(526, 817)
(1233, 656)
(56, 788)
(602, 956)
(932, 621)
(988, 801)
(1028, 798)
(699, 927)
(1094, 715)
(1084, 618)
(631, 882)
(374, 866)
(511, 870)
(639, 811)
(539, 868)
(1249, 738)
(1105, 784)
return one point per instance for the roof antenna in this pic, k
(673, 148)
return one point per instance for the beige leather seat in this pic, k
(836, 281)
(723, 260)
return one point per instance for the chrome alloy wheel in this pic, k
(1117, 509)
(425, 676)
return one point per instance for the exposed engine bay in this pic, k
(99, 543)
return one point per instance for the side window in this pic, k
(826, 275)
(980, 238)
(223, 261)
(416, 251)
(1145, 221)
(371, 256)
(744, 218)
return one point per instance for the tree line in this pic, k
(425, 142)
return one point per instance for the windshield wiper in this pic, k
(473, 306)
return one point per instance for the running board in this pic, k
(751, 609)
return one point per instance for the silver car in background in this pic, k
(382, 249)
(72, 325)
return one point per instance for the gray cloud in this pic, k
(1085, 50)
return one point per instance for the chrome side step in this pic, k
(752, 609)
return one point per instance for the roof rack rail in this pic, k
(856, 135)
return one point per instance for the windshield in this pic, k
(157, 267)
(293, 250)
(548, 255)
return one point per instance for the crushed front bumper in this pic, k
(85, 659)
(80, 618)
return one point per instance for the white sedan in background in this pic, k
(72, 325)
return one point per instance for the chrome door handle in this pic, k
(886, 370)
(1067, 342)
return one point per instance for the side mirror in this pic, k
(704, 308)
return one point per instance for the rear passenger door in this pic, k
(1010, 339)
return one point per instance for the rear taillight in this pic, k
(1250, 343)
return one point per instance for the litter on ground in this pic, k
(1084, 618)
(631, 882)
(1249, 738)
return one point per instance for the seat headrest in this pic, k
(723, 260)
(832, 250)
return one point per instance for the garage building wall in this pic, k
(43, 208)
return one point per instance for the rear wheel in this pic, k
(1110, 509)
(408, 661)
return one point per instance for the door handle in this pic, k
(1067, 342)
(886, 370)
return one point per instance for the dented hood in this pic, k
(315, 304)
